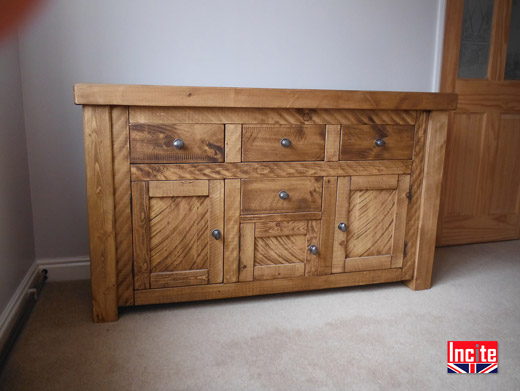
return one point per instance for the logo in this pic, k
(472, 357)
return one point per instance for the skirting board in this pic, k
(15, 306)
(61, 269)
(66, 269)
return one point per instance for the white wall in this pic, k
(335, 44)
(16, 232)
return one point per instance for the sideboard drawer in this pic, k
(281, 195)
(262, 143)
(376, 142)
(176, 143)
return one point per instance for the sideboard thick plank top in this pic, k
(199, 193)
(142, 95)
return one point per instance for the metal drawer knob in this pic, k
(380, 142)
(216, 234)
(283, 195)
(342, 227)
(178, 143)
(313, 249)
(285, 142)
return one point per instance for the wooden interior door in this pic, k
(279, 247)
(480, 199)
(175, 226)
(370, 223)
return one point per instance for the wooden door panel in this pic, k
(278, 249)
(506, 175)
(179, 243)
(374, 210)
(482, 185)
(481, 188)
(371, 222)
(476, 229)
(463, 156)
(173, 222)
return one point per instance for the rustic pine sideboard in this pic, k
(201, 193)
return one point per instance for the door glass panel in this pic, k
(475, 37)
(513, 47)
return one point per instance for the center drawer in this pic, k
(283, 143)
(281, 195)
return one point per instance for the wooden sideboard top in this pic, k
(142, 95)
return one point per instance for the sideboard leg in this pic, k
(430, 197)
(100, 195)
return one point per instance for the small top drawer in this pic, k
(176, 143)
(281, 195)
(261, 143)
(376, 142)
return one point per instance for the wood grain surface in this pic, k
(141, 95)
(182, 278)
(146, 172)
(340, 237)
(430, 198)
(221, 291)
(122, 205)
(261, 196)
(358, 142)
(154, 143)
(234, 115)
(141, 234)
(416, 183)
(279, 271)
(262, 143)
(231, 230)
(101, 219)
(233, 143)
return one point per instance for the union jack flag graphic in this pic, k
(472, 368)
(472, 357)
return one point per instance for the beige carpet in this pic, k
(381, 337)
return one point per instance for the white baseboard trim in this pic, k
(59, 269)
(12, 312)
(66, 269)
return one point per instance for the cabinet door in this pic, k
(370, 222)
(175, 226)
(279, 249)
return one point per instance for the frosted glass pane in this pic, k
(475, 36)
(513, 47)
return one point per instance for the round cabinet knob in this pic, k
(342, 227)
(313, 249)
(285, 142)
(283, 195)
(216, 234)
(178, 143)
(380, 142)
